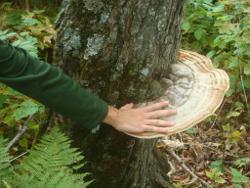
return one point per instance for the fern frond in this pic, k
(51, 164)
(5, 167)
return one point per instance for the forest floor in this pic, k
(210, 155)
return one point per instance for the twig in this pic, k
(244, 90)
(27, 5)
(241, 70)
(217, 115)
(18, 156)
(19, 134)
(185, 167)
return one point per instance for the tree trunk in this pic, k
(120, 49)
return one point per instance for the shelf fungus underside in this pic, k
(196, 90)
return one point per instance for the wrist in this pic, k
(111, 117)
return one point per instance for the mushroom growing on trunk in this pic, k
(195, 88)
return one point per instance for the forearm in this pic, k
(50, 86)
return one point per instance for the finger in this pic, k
(160, 123)
(163, 130)
(156, 106)
(127, 106)
(161, 113)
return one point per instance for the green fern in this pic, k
(51, 164)
(5, 167)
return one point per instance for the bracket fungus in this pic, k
(195, 89)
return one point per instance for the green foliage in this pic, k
(15, 107)
(221, 29)
(178, 185)
(216, 175)
(5, 167)
(52, 164)
(218, 165)
(33, 31)
(242, 161)
(22, 40)
(28, 29)
(237, 177)
(26, 108)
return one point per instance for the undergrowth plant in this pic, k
(34, 25)
(221, 29)
(52, 163)
(33, 31)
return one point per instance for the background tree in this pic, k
(120, 49)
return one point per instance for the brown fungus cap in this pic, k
(195, 89)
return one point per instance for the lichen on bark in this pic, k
(130, 44)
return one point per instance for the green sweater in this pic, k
(50, 86)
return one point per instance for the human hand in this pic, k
(141, 119)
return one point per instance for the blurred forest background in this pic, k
(216, 152)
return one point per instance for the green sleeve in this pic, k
(50, 86)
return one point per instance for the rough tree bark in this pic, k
(120, 49)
